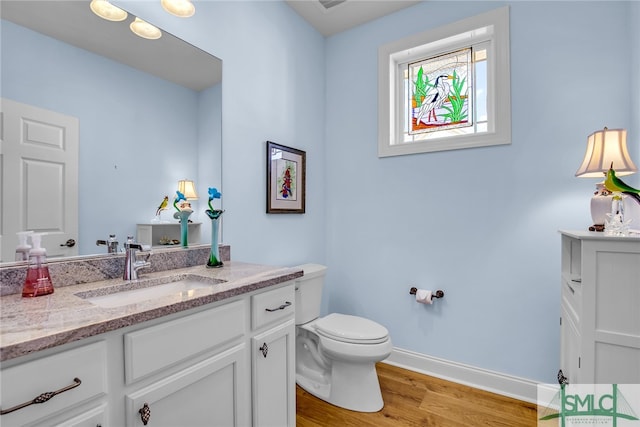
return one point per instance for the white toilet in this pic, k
(336, 354)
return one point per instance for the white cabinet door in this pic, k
(209, 393)
(273, 356)
(569, 348)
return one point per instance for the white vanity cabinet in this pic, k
(72, 385)
(600, 315)
(229, 363)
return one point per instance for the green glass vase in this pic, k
(214, 255)
(183, 216)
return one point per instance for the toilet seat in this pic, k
(351, 329)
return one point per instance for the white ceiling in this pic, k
(346, 15)
(73, 22)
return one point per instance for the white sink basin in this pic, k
(179, 288)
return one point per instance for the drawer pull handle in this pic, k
(145, 413)
(44, 397)
(264, 349)
(282, 307)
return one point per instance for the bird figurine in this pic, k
(163, 205)
(613, 184)
(434, 99)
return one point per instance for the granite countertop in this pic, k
(32, 324)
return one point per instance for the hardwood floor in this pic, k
(413, 399)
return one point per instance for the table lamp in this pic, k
(188, 188)
(605, 148)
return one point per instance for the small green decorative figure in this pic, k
(615, 184)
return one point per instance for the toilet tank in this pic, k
(309, 292)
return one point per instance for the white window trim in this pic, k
(499, 84)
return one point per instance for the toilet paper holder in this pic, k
(436, 294)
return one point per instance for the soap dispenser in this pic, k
(22, 250)
(38, 281)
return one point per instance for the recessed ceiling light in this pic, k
(180, 8)
(145, 30)
(107, 11)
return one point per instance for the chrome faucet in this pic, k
(111, 244)
(131, 265)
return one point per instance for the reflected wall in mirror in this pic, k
(138, 133)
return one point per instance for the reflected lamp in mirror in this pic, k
(605, 148)
(188, 188)
(145, 30)
(179, 8)
(106, 10)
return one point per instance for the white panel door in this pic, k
(39, 177)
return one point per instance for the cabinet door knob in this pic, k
(562, 380)
(145, 413)
(264, 349)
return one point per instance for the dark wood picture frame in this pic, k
(286, 175)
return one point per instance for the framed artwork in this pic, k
(286, 168)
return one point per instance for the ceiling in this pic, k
(65, 20)
(73, 22)
(346, 14)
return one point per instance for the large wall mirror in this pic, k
(148, 114)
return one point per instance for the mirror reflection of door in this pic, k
(39, 178)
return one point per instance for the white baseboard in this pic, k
(495, 382)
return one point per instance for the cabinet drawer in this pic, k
(155, 348)
(23, 383)
(572, 296)
(271, 306)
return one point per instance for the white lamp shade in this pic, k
(180, 8)
(107, 11)
(605, 147)
(188, 188)
(145, 30)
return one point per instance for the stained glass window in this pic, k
(446, 88)
(440, 92)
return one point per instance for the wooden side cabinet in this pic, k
(600, 308)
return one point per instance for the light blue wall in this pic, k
(634, 72)
(481, 224)
(130, 156)
(209, 152)
(273, 89)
